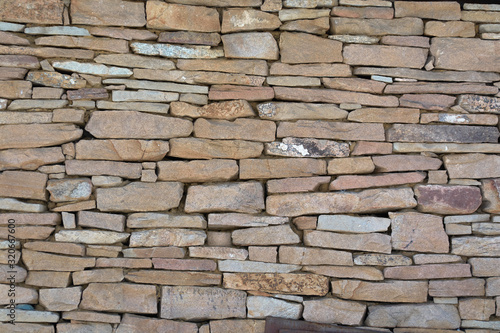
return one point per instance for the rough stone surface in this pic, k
(426, 9)
(131, 323)
(195, 148)
(165, 16)
(89, 168)
(273, 235)
(236, 220)
(60, 299)
(27, 11)
(434, 271)
(373, 242)
(250, 45)
(38, 261)
(121, 150)
(239, 129)
(472, 166)
(352, 224)
(477, 103)
(197, 171)
(334, 311)
(294, 147)
(376, 27)
(280, 168)
(475, 246)
(69, 190)
(389, 179)
(385, 56)
(454, 288)
(390, 292)
(314, 49)
(311, 256)
(448, 199)
(113, 13)
(293, 111)
(442, 133)
(23, 184)
(167, 237)
(222, 110)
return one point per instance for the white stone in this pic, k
(91, 236)
(354, 224)
(255, 267)
(352, 39)
(144, 96)
(163, 86)
(57, 30)
(93, 69)
(17, 205)
(5, 26)
(30, 316)
(262, 307)
(467, 218)
(177, 51)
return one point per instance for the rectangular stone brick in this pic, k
(175, 278)
(316, 70)
(23, 184)
(237, 220)
(293, 185)
(98, 168)
(426, 272)
(239, 129)
(376, 27)
(393, 291)
(39, 261)
(227, 92)
(98, 275)
(312, 256)
(272, 235)
(442, 133)
(387, 179)
(280, 168)
(167, 237)
(426, 9)
(32, 11)
(111, 12)
(331, 130)
(457, 288)
(363, 242)
(185, 264)
(196, 148)
(385, 56)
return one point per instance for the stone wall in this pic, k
(202, 165)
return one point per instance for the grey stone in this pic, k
(93, 69)
(177, 51)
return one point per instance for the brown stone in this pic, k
(414, 41)
(418, 232)
(313, 49)
(357, 272)
(472, 166)
(48, 93)
(120, 297)
(28, 232)
(197, 171)
(267, 254)
(56, 247)
(293, 111)
(85, 316)
(427, 101)
(388, 115)
(476, 308)
(450, 29)
(237, 325)
(389, 163)
(376, 27)
(47, 52)
(97, 168)
(83, 327)
(110, 124)
(123, 262)
(239, 129)
(317, 26)
(134, 323)
(475, 246)
(391, 292)
(363, 12)
(354, 84)
(99, 44)
(493, 287)
(382, 260)
(190, 37)
(221, 3)
(237, 220)
(373, 242)
(481, 15)
(88, 93)
(37, 135)
(39, 261)
(111, 12)
(427, 9)
(167, 237)
(8, 73)
(454, 288)
(194, 148)
(352, 165)
(140, 197)
(312, 256)
(448, 199)
(29, 159)
(75, 207)
(165, 16)
(280, 168)
(465, 54)
(250, 45)
(333, 96)
(222, 110)
(251, 67)
(60, 299)
(56, 80)
(22, 294)
(30, 218)
(12, 39)
(226, 92)
(331, 130)
(273, 235)
(388, 179)
(185, 264)
(441, 88)
(235, 20)
(477, 103)
(385, 56)
(298, 284)
(315, 70)
(375, 200)
(98, 275)
(23, 61)
(491, 195)
(75, 189)
(212, 303)
(32, 11)
(334, 311)
(15, 89)
(23, 184)
(442, 133)
(427, 272)
(123, 33)
(292, 185)
(4, 275)
(217, 253)
(154, 252)
(174, 278)
(122, 150)
(431, 316)
(48, 279)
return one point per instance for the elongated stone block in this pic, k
(109, 12)
(390, 292)
(442, 133)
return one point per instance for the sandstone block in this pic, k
(97, 168)
(237, 325)
(250, 67)
(314, 49)
(22, 294)
(442, 88)
(491, 195)
(225, 92)
(448, 199)
(60, 299)
(22, 61)
(56, 247)
(98, 275)
(450, 29)
(250, 45)
(352, 224)
(29, 159)
(317, 26)
(334, 311)
(476, 308)
(195, 148)
(353, 165)
(300, 184)
(425, 272)
(91, 236)
(69, 189)
(391, 292)
(167, 16)
(477, 103)
(263, 307)
(363, 12)
(235, 20)
(133, 60)
(114, 13)
(331, 130)
(442, 133)
(255, 266)
(472, 166)
(385, 56)
(243, 197)
(15, 89)
(273, 235)
(389, 163)
(295, 147)
(356, 272)
(84, 327)
(197, 171)
(312, 256)
(280, 168)
(185, 264)
(236, 220)
(427, 101)
(157, 220)
(120, 297)
(454, 288)
(56, 80)
(382, 260)
(99, 44)
(23, 184)
(122, 150)
(389, 179)
(140, 197)
(217, 253)
(155, 252)
(212, 303)
(427, 9)
(373, 242)
(175, 278)
(131, 323)
(92, 69)
(315, 70)
(27, 11)
(222, 110)
(167, 237)
(475, 246)
(189, 37)
(239, 129)
(422, 259)
(293, 111)
(177, 51)
(48, 279)
(354, 84)
(38, 261)
(376, 27)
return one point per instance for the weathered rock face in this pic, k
(385, 56)
(472, 166)
(334, 311)
(392, 292)
(114, 13)
(166, 16)
(37, 135)
(274, 235)
(442, 133)
(448, 199)
(363, 242)
(121, 150)
(23, 184)
(250, 45)
(491, 195)
(167, 237)
(27, 11)
(315, 49)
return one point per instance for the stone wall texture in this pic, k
(202, 166)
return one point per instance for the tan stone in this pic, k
(98, 168)
(353, 165)
(352, 224)
(47, 52)
(445, 148)
(448, 199)
(154, 252)
(91, 236)
(426, 272)
(454, 288)
(75, 189)
(441, 88)
(475, 246)
(481, 16)
(330, 310)
(421, 259)
(239, 129)
(331, 130)
(37, 135)
(56, 247)
(316, 70)
(452, 118)
(158, 220)
(298, 14)
(414, 41)
(450, 29)
(134, 323)
(100, 44)
(313, 49)
(5, 275)
(427, 101)
(263, 254)
(140, 197)
(476, 308)
(23, 61)
(122, 150)
(376, 27)
(280, 168)
(289, 283)
(235, 20)
(273, 235)
(133, 60)
(373, 242)
(15, 89)
(98, 275)
(83, 316)
(293, 81)
(491, 195)
(405, 163)
(48, 279)
(311, 256)
(237, 220)
(391, 292)
(190, 37)
(174, 278)
(385, 56)
(292, 111)
(472, 166)
(197, 171)
(165, 16)
(251, 67)
(292, 185)
(374, 200)
(114, 12)
(47, 93)
(127, 34)
(23, 184)
(388, 179)
(432, 316)
(212, 303)
(194, 148)
(30, 219)
(356, 272)
(28, 11)
(123, 262)
(354, 84)
(427, 9)
(226, 92)
(120, 297)
(217, 253)
(7, 73)
(418, 232)
(167, 237)
(317, 26)
(38, 261)
(185, 264)
(60, 299)
(465, 54)
(333, 96)
(22, 294)
(222, 110)
(263, 307)
(56, 80)
(266, 264)
(382, 260)
(28, 232)
(363, 12)
(15, 118)
(250, 45)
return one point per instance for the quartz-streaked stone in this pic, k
(262, 307)
(296, 147)
(240, 266)
(235, 20)
(272, 235)
(330, 310)
(391, 292)
(237, 220)
(54, 79)
(177, 51)
(93, 69)
(373, 242)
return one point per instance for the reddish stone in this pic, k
(456, 288)
(450, 200)
(32, 11)
(427, 101)
(388, 179)
(226, 92)
(88, 93)
(185, 264)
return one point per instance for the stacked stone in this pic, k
(201, 165)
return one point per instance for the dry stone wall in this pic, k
(202, 165)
